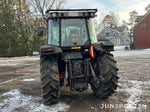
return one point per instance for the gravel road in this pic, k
(20, 87)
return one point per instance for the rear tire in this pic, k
(49, 80)
(106, 71)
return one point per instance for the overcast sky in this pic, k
(122, 7)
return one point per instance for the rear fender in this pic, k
(103, 46)
(50, 50)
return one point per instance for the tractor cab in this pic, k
(71, 27)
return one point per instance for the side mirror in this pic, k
(40, 31)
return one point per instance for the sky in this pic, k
(122, 7)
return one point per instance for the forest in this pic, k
(19, 21)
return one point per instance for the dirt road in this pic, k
(20, 87)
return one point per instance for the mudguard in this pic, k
(54, 50)
(103, 46)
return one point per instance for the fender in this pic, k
(50, 50)
(103, 46)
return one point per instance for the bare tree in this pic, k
(147, 9)
(98, 22)
(40, 6)
(111, 19)
(133, 16)
(115, 18)
(98, 26)
(125, 23)
(106, 20)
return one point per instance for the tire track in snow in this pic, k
(135, 92)
(8, 81)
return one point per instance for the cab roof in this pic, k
(70, 13)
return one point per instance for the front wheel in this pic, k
(105, 68)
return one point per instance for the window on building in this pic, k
(117, 35)
(143, 25)
(114, 34)
(107, 34)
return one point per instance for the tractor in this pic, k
(73, 57)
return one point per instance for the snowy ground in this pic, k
(15, 100)
(20, 87)
(16, 61)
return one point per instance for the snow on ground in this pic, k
(16, 61)
(13, 64)
(131, 53)
(147, 49)
(120, 48)
(24, 58)
(31, 79)
(15, 100)
(135, 92)
(9, 64)
(8, 81)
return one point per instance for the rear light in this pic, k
(60, 77)
(91, 74)
(91, 51)
(47, 50)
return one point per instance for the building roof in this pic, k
(139, 18)
(120, 29)
(107, 28)
(116, 29)
(142, 19)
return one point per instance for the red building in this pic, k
(142, 33)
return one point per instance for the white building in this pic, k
(117, 35)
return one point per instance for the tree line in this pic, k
(19, 21)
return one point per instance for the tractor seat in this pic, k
(74, 34)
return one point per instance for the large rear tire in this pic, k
(49, 80)
(106, 71)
